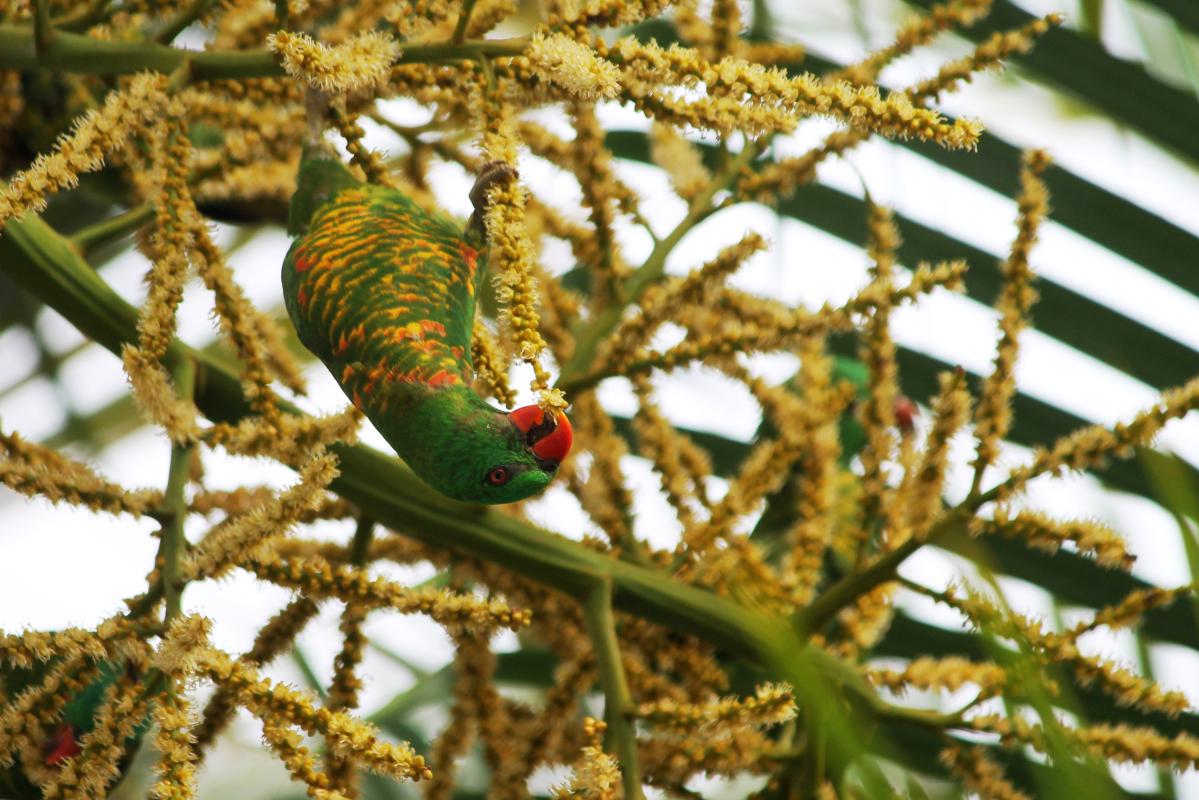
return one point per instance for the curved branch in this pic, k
(73, 52)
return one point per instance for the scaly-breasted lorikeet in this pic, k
(384, 294)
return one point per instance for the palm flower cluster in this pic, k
(752, 646)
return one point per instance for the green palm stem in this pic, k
(618, 702)
(73, 52)
(173, 543)
(183, 18)
(110, 230)
(468, 6)
(831, 693)
(43, 32)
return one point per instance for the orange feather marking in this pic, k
(443, 378)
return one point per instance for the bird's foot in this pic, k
(493, 172)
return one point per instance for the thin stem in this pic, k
(282, 14)
(172, 544)
(108, 230)
(311, 679)
(360, 546)
(618, 702)
(42, 30)
(73, 52)
(82, 19)
(185, 17)
(463, 20)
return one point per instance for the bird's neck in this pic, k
(424, 423)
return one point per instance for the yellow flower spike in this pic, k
(953, 15)
(770, 705)
(122, 710)
(1135, 745)
(979, 773)
(1126, 687)
(1045, 533)
(951, 408)
(741, 323)
(237, 539)
(680, 159)
(816, 472)
(664, 300)
(543, 733)
(992, 416)
(288, 745)
(273, 638)
(95, 135)
(662, 443)
(491, 372)
(1093, 445)
(318, 578)
(287, 438)
(596, 774)
(877, 414)
(755, 99)
(177, 758)
(368, 160)
(576, 69)
(477, 710)
(39, 471)
(604, 496)
(184, 640)
(360, 63)
(282, 705)
(29, 718)
(990, 54)
(948, 674)
(1132, 608)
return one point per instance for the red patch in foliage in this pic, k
(62, 746)
(302, 298)
(303, 263)
(905, 413)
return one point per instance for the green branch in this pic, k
(618, 702)
(73, 52)
(171, 546)
(43, 33)
(459, 34)
(111, 229)
(182, 19)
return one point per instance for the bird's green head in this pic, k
(490, 456)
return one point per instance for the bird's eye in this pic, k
(497, 476)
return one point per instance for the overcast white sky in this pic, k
(59, 566)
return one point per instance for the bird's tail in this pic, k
(322, 174)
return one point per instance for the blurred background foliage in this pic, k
(1142, 78)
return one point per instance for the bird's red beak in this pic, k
(549, 438)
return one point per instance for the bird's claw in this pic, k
(492, 173)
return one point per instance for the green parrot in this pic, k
(780, 506)
(384, 293)
(78, 719)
